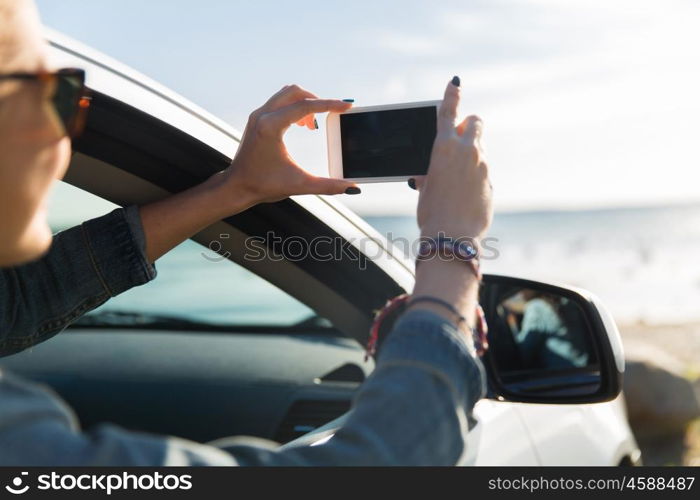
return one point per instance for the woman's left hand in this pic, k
(262, 170)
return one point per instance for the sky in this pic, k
(586, 103)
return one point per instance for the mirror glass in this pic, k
(541, 343)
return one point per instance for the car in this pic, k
(223, 344)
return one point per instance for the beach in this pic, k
(674, 347)
(676, 344)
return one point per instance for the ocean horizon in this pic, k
(641, 261)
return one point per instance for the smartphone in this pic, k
(382, 143)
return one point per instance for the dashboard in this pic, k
(199, 385)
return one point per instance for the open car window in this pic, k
(195, 287)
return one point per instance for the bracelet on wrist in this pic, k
(384, 320)
(386, 317)
(446, 248)
(435, 300)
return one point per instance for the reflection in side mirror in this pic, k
(548, 344)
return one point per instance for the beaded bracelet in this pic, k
(440, 302)
(394, 307)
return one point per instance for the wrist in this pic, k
(438, 309)
(449, 280)
(227, 196)
(461, 231)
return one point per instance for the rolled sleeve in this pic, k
(117, 249)
(85, 266)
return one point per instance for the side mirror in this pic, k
(549, 344)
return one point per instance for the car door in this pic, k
(561, 434)
(594, 434)
(502, 437)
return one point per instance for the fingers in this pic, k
(416, 182)
(286, 96)
(307, 122)
(323, 185)
(290, 94)
(447, 114)
(472, 127)
(461, 127)
(275, 96)
(282, 118)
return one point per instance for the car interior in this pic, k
(207, 350)
(277, 375)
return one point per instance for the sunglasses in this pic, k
(70, 97)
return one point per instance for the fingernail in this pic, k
(412, 183)
(315, 123)
(353, 190)
(349, 100)
(455, 81)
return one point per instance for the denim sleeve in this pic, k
(85, 266)
(412, 410)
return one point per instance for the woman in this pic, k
(412, 410)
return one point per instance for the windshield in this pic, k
(194, 285)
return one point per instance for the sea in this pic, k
(642, 262)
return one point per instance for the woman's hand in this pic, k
(262, 170)
(455, 199)
(455, 195)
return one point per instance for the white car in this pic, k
(222, 344)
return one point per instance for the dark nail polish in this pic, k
(353, 190)
(348, 100)
(412, 183)
(315, 124)
(455, 81)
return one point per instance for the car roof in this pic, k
(113, 78)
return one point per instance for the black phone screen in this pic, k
(395, 142)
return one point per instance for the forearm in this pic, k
(452, 281)
(168, 222)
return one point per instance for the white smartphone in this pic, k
(384, 143)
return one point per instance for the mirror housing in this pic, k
(549, 344)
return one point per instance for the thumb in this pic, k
(324, 185)
(416, 182)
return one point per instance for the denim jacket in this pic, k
(412, 410)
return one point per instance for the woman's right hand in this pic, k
(455, 200)
(455, 195)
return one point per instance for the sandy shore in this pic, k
(678, 344)
(675, 347)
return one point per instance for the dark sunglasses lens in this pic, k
(66, 99)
